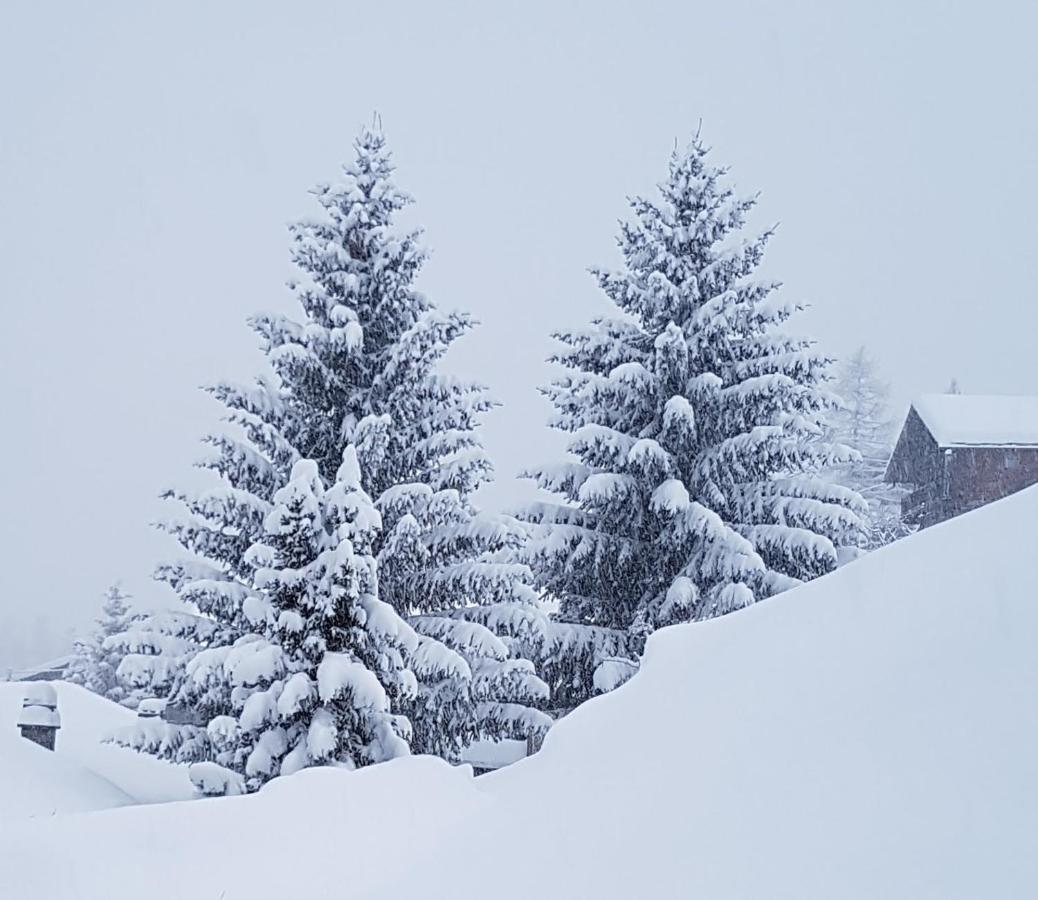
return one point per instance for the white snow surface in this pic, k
(82, 773)
(980, 420)
(35, 782)
(870, 734)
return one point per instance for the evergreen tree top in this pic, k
(678, 249)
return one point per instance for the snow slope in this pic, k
(871, 734)
(86, 719)
(35, 782)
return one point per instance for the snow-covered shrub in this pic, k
(318, 680)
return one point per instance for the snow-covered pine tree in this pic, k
(215, 527)
(691, 490)
(95, 663)
(863, 422)
(250, 459)
(361, 368)
(317, 683)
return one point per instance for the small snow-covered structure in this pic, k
(52, 670)
(489, 755)
(962, 451)
(40, 720)
(151, 708)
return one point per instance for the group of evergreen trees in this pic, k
(343, 599)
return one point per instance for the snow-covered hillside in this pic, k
(872, 734)
(82, 773)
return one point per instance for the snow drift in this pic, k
(871, 734)
(36, 782)
(82, 773)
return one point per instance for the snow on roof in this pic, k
(48, 669)
(980, 420)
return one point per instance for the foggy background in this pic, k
(150, 159)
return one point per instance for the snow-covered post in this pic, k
(40, 720)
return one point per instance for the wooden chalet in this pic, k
(961, 451)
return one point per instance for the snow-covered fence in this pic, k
(40, 720)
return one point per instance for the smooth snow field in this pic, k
(873, 734)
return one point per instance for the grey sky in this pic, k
(151, 154)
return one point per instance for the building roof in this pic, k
(980, 420)
(48, 671)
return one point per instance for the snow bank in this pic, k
(871, 734)
(318, 833)
(86, 720)
(36, 782)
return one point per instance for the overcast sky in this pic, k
(152, 154)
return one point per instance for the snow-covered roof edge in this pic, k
(979, 420)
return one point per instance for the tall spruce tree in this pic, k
(360, 368)
(696, 427)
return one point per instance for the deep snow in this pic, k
(36, 782)
(871, 734)
(83, 773)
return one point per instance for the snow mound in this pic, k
(870, 734)
(86, 720)
(36, 782)
(334, 832)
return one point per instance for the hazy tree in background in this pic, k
(863, 422)
(95, 661)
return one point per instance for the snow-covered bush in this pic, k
(317, 682)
